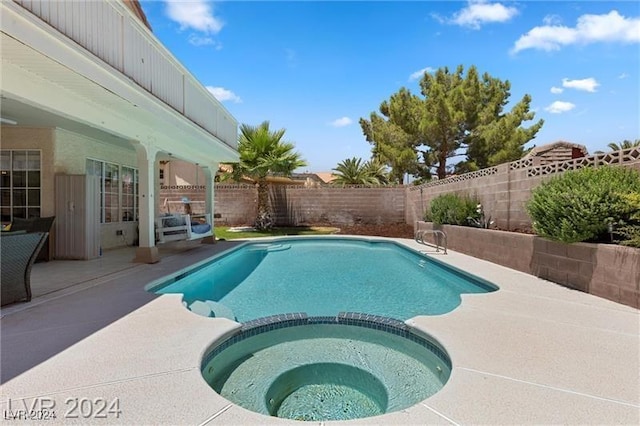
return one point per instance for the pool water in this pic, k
(320, 372)
(322, 276)
(326, 391)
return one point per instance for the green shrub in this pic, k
(629, 230)
(579, 204)
(452, 209)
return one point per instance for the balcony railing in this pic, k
(111, 32)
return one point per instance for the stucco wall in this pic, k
(605, 270)
(71, 151)
(177, 172)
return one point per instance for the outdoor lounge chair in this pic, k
(36, 224)
(19, 252)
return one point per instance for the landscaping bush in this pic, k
(629, 230)
(452, 209)
(579, 204)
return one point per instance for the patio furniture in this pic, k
(183, 227)
(19, 252)
(37, 224)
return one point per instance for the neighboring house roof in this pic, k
(313, 177)
(326, 177)
(134, 6)
(558, 151)
(307, 179)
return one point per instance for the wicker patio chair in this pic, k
(18, 252)
(36, 224)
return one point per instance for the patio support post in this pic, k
(209, 175)
(147, 252)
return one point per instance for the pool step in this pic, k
(210, 308)
(270, 247)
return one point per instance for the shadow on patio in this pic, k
(74, 299)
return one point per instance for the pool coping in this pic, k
(530, 353)
(301, 319)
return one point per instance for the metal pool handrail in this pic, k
(419, 237)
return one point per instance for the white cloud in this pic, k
(439, 18)
(194, 14)
(556, 90)
(480, 12)
(586, 84)
(204, 41)
(623, 75)
(222, 94)
(418, 74)
(341, 122)
(558, 107)
(552, 20)
(611, 27)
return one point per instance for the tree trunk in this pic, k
(264, 220)
(442, 167)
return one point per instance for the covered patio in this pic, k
(88, 123)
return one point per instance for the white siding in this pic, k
(106, 29)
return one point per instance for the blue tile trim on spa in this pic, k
(275, 322)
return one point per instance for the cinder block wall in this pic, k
(490, 186)
(294, 205)
(235, 204)
(608, 271)
(170, 198)
(504, 190)
(297, 205)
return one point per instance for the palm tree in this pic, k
(353, 171)
(625, 144)
(349, 172)
(263, 153)
(377, 172)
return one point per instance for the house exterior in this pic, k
(557, 152)
(88, 91)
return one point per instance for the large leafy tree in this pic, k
(456, 112)
(263, 153)
(396, 137)
(493, 136)
(353, 171)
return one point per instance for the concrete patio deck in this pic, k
(531, 353)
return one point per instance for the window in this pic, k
(118, 191)
(20, 184)
(129, 194)
(111, 192)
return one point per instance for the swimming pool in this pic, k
(321, 276)
(342, 367)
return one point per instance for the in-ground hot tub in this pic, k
(326, 368)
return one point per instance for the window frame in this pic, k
(114, 193)
(9, 192)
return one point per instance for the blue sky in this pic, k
(316, 68)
